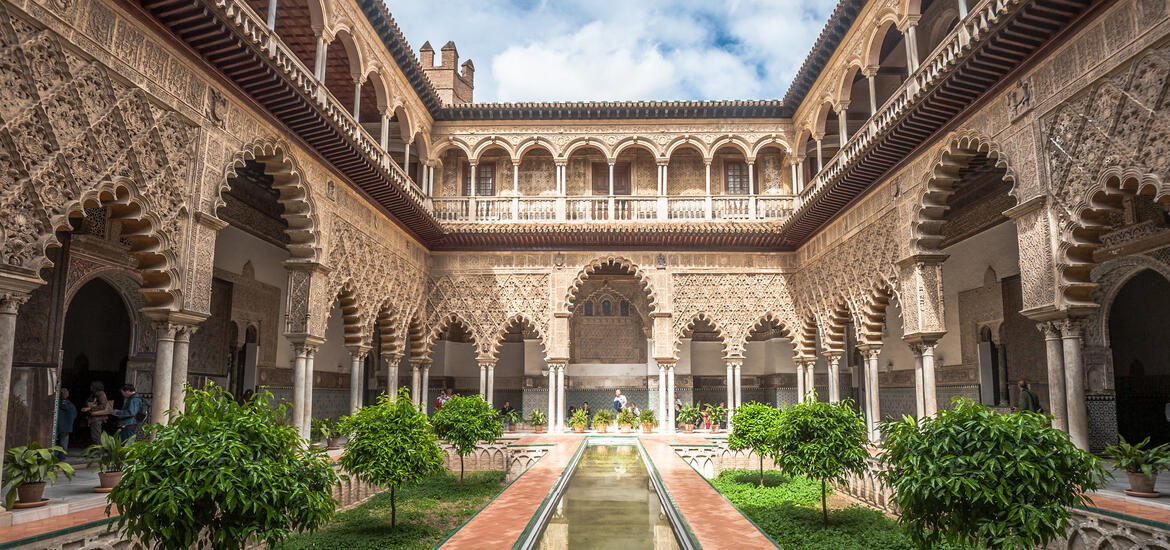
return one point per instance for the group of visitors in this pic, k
(99, 411)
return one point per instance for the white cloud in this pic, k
(581, 50)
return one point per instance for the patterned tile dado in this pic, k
(1102, 409)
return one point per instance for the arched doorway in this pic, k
(1139, 327)
(95, 346)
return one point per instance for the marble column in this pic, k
(1074, 382)
(738, 384)
(491, 383)
(310, 358)
(424, 392)
(670, 391)
(730, 388)
(929, 389)
(552, 395)
(415, 383)
(919, 402)
(392, 360)
(1053, 351)
(872, 392)
(800, 389)
(483, 379)
(164, 360)
(810, 376)
(301, 354)
(182, 347)
(561, 397)
(357, 357)
(834, 360)
(663, 398)
(10, 303)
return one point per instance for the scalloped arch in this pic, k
(287, 178)
(432, 336)
(524, 321)
(597, 263)
(689, 326)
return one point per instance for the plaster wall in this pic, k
(233, 248)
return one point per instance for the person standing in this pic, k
(128, 415)
(588, 413)
(619, 401)
(98, 409)
(1028, 400)
(66, 416)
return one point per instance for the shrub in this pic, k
(824, 441)
(32, 464)
(993, 480)
(224, 469)
(580, 419)
(604, 417)
(391, 443)
(626, 418)
(752, 428)
(465, 421)
(111, 455)
(689, 415)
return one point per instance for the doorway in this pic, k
(1139, 329)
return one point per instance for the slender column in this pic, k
(707, 176)
(800, 175)
(662, 389)
(738, 384)
(415, 381)
(810, 382)
(1055, 362)
(871, 79)
(516, 178)
(471, 177)
(730, 387)
(385, 127)
(842, 123)
(424, 393)
(962, 9)
(491, 383)
(357, 100)
(179, 368)
(670, 391)
(272, 14)
(929, 390)
(357, 357)
(307, 417)
(1074, 382)
(392, 360)
(752, 189)
(611, 179)
(164, 360)
(322, 55)
(483, 379)
(919, 402)
(820, 156)
(300, 353)
(800, 388)
(1001, 362)
(795, 186)
(872, 396)
(561, 397)
(10, 303)
(552, 396)
(406, 158)
(834, 360)
(912, 39)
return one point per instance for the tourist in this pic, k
(1028, 400)
(707, 417)
(442, 398)
(98, 409)
(588, 414)
(66, 416)
(634, 409)
(619, 401)
(247, 396)
(507, 408)
(722, 419)
(570, 414)
(678, 405)
(128, 416)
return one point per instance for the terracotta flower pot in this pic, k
(107, 481)
(689, 428)
(539, 429)
(1142, 485)
(30, 493)
(601, 428)
(511, 428)
(647, 428)
(624, 428)
(578, 430)
(332, 443)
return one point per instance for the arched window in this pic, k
(589, 308)
(606, 308)
(625, 308)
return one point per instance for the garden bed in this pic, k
(789, 511)
(428, 511)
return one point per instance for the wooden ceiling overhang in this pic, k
(955, 90)
(234, 41)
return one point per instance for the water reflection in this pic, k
(609, 503)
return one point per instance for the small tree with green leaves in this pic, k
(465, 421)
(998, 481)
(824, 441)
(230, 471)
(391, 443)
(753, 427)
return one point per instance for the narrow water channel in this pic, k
(609, 503)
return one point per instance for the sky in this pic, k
(592, 50)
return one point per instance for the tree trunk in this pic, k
(761, 471)
(824, 505)
(393, 509)
(460, 470)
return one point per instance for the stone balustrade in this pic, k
(756, 208)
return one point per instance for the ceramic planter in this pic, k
(578, 430)
(30, 495)
(107, 481)
(689, 428)
(511, 428)
(624, 429)
(647, 428)
(601, 428)
(332, 443)
(1142, 485)
(539, 429)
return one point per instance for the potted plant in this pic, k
(27, 469)
(602, 420)
(326, 428)
(689, 416)
(579, 420)
(648, 420)
(626, 420)
(717, 414)
(511, 418)
(111, 456)
(538, 420)
(1141, 464)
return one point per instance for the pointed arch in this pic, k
(608, 261)
(299, 210)
(442, 325)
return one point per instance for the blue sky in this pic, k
(582, 50)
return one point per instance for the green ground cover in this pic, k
(428, 511)
(789, 511)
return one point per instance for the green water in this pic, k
(609, 504)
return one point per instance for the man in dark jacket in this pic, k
(66, 416)
(1028, 400)
(128, 420)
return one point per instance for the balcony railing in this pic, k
(612, 209)
(973, 29)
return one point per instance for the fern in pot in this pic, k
(626, 420)
(27, 470)
(689, 416)
(538, 420)
(602, 420)
(1141, 464)
(111, 457)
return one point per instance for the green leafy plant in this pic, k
(537, 418)
(323, 428)
(603, 417)
(824, 441)
(998, 481)
(465, 421)
(1137, 458)
(580, 419)
(111, 455)
(391, 443)
(222, 474)
(32, 463)
(512, 417)
(753, 427)
(626, 418)
(647, 416)
(717, 413)
(689, 415)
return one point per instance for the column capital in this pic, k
(841, 106)
(733, 361)
(10, 301)
(392, 357)
(416, 362)
(921, 347)
(358, 352)
(557, 365)
(1070, 327)
(1048, 329)
(666, 161)
(486, 363)
(869, 71)
(908, 22)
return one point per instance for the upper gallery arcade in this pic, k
(280, 194)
